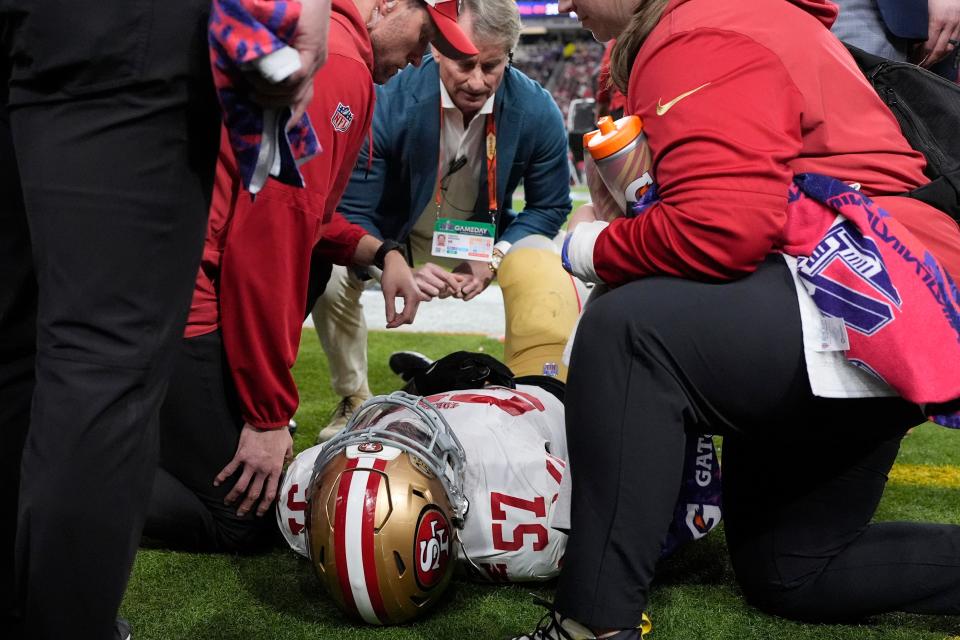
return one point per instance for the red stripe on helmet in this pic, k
(367, 543)
(339, 535)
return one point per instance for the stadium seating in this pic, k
(566, 68)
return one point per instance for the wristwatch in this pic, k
(385, 248)
(495, 260)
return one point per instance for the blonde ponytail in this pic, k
(629, 41)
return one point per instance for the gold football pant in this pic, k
(541, 302)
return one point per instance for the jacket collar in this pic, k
(346, 12)
(424, 147)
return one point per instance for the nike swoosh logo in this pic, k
(663, 108)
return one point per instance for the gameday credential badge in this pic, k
(463, 239)
(431, 548)
(342, 117)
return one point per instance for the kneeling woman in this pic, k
(759, 123)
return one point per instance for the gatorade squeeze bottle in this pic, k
(620, 151)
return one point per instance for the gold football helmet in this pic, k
(384, 506)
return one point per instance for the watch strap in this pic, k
(380, 256)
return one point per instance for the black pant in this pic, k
(802, 475)
(114, 129)
(200, 425)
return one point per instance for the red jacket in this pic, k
(252, 283)
(770, 93)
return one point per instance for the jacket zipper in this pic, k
(930, 147)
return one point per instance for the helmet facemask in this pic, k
(412, 424)
(384, 506)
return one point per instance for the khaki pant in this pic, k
(541, 304)
(338, 319)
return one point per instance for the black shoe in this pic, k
(553, 626)
(407, 364)
(123, 630)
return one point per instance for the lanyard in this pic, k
(490, 150)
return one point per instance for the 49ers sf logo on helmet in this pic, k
(431, 550)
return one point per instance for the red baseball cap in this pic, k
(451, 41)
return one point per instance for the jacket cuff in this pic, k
(579, 250)
(266, 425)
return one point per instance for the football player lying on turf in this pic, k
(471, 472)
(540, 299)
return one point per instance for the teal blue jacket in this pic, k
(387, 195)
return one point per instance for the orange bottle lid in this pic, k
(612, 135)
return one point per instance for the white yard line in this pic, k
(482, 315)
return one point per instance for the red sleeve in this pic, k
(263, 284)
(720, 158)
(341, 112)
(339, 240)
(266, 259)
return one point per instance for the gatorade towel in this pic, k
(900, 307)
(699, 504)
(240, 33)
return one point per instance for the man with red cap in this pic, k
(224, 434)
(452, 141)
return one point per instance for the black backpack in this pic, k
(927, 107)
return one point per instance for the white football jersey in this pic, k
(515, 445)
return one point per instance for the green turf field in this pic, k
(180, 595)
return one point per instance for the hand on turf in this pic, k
(944, 26)
(261, 453)
(477, 276)
(398, 281)
(436, 282)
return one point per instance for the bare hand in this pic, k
(437, 282)
(584, 213)
(944, 26)
(261, 453)
(477, 276)
(310, 41)
(604, 204)
(398, 281)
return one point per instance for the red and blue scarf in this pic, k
(900, 307)
(241, 32)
